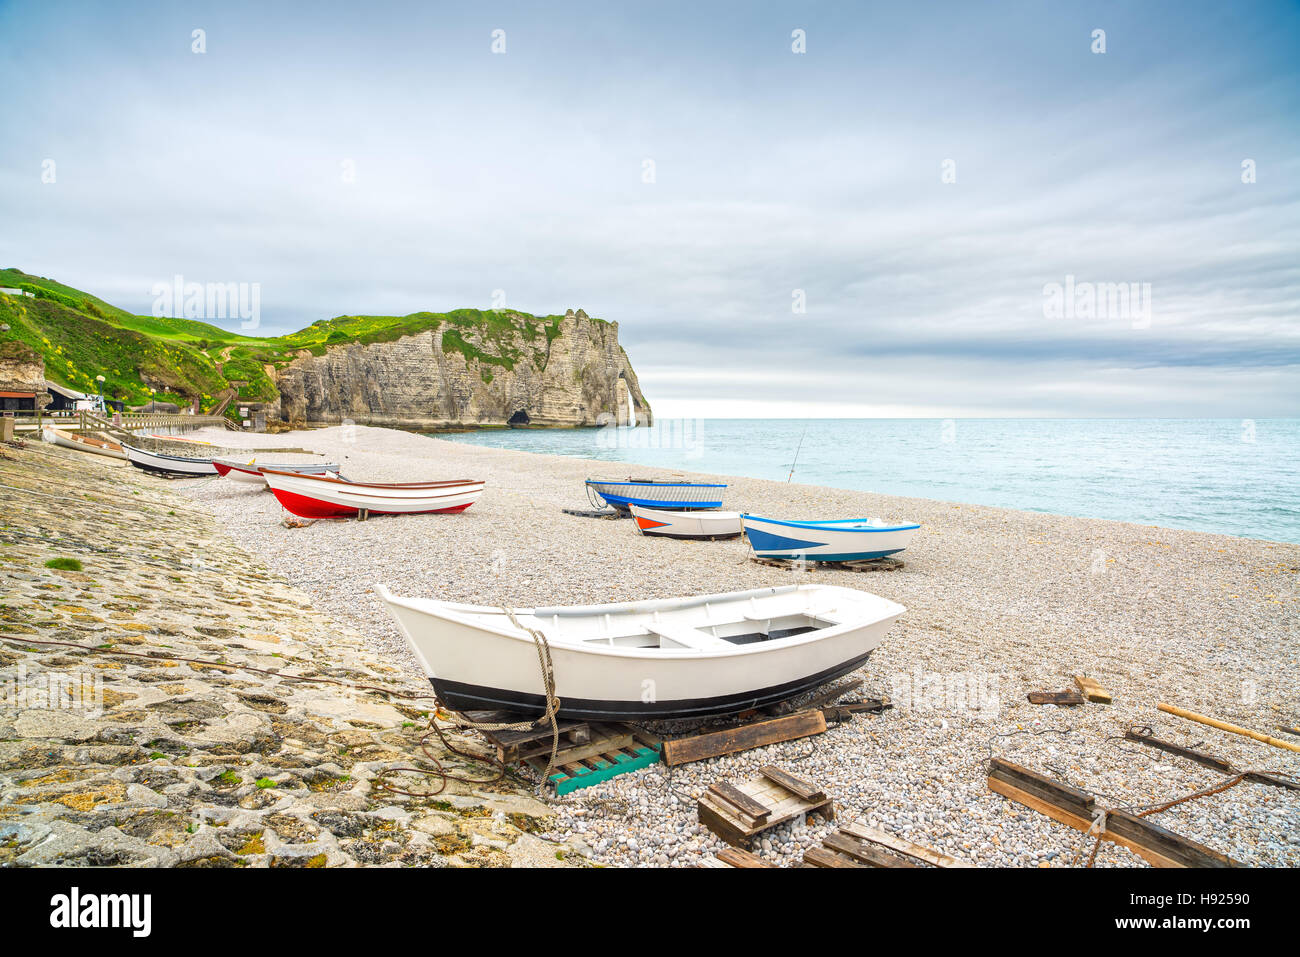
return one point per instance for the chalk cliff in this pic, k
(516, 370)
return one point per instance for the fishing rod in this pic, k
(796, 453)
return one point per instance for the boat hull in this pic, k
(476, 665)
(70, 440)
(664, 495)
(463, 697)
(172, 465)
(252, 474)
(702, 525)
(847, 541)
(317, 497)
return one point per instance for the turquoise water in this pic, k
(1228, 476)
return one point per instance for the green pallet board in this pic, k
(605, 770)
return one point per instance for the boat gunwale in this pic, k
(653, 484)
(366, 485)
(834, 524)
(892, 611)
(165, 456)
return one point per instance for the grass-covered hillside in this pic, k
(144, 357)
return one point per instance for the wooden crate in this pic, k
(737, 812)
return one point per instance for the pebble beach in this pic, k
(1000, 603)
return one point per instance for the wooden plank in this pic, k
(1053, 792)
(1055, 697)
(794, 785)
(902, 846)
(737, 857)
(864, 852)
(1061, 803)
(773, 731)
(1225, 726)
(1259, 777)
(1175, 847)
(742, 802)
(1062, 816)
(1091, 690)
(1209, 760)
(821, 857)
(729, 829)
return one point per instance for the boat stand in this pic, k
(590, 752)
(808, 565)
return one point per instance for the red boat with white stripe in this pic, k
(320, 496)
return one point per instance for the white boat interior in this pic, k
(705, 624)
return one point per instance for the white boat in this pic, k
(161, 464)
(841, 540)
(701, 524)
(322, 496)
(82, 443)
(669, 658)
(251, 474)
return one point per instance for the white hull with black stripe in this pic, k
(161, 464)
(669, 658)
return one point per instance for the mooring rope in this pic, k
(552, 701)
(553, 704)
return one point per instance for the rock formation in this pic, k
(22, 369)
(450, 376)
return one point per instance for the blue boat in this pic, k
(651, 493)
(841, 540)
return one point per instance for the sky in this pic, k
(927, 212)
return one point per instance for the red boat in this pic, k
(320, 496)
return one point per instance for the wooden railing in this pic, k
(123, 422)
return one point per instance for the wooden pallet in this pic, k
(737, 812)
(864, 565)
(515, 746)
(611, 750)
(596, 513)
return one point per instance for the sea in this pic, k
(1228, 476)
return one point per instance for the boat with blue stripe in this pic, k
(838, 540)
(653, 493)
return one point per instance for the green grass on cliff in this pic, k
(80, 337)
